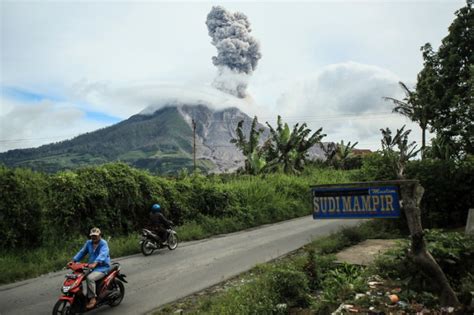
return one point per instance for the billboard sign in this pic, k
(350, 201)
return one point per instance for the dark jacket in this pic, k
(158, 220)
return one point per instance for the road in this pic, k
(167, 275)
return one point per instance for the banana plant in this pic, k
(406, 149)
(254, 160)
(288, 150)
(343, 153)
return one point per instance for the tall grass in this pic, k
(204, 206)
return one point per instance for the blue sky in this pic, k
(73, 67)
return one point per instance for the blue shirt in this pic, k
(100, 255)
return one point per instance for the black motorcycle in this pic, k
(150, 241)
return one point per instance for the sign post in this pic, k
(356, 200)
(383, 199)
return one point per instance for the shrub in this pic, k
(449, 191)
(290, 286)
(453, 251)
(22, 205)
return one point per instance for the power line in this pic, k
(32, 139)
(315, 118)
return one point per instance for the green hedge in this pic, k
(38, 209)
(449, 186)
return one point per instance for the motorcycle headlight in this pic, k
(65, 289)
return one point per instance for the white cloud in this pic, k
(32, 125)
(346, 100)
(117, 58)
(124, 100)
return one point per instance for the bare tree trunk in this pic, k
(412, 192)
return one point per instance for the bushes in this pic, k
(453, 251)
(39, 208)
(449, 186)
(449, 191)
(22, 206)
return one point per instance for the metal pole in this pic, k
(194, 145)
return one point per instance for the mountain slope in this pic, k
(161, 141)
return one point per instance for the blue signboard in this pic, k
(355, 202)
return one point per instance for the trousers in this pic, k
(91, 279)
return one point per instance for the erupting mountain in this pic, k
(161, 142)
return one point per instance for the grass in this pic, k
(239, 202)
(288, 284)
(309, 282)
(23, 264)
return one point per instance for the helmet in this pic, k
(155, 208)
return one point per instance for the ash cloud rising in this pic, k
(237, 51)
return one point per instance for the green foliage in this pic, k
(161, 143)
(453, 251)
(340, 156)
(446, 83)
(340, 282)
(21, 207)
(405, 152)
(254, 160)
(26, 263)
(290, 286)
(416, 109)
(377, 166)
(449, 190)
(40, 210)
(288, 150)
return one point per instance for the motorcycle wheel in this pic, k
(118, 285)
(63, 308)
(172, 241)
(147, 248)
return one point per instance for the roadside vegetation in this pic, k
(46, 218)
(311, 281)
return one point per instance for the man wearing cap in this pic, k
(99, 262)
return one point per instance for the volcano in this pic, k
(160, 141)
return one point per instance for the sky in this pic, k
(72, 67)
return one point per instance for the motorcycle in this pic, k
(110, 289)
(150, 241)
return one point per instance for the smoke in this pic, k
(237, 52)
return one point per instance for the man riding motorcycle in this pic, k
(99, 261)
(159, 223)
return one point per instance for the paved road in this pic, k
(169, 275)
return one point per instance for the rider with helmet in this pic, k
(159, 222)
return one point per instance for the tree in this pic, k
(414, 109)
(405, 152)
(344, 153)
(447, 82)
(411, 193)
(254, 160)
(289, 149)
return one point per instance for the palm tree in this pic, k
(412, 108)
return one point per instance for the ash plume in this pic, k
(237, 52)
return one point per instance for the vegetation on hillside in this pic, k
(161, 142)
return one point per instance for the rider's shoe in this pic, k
(91, 303)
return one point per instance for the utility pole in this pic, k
(194, 144)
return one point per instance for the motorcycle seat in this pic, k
(113, 266)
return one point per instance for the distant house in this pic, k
(361, 152)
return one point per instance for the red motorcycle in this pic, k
(110, 289)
